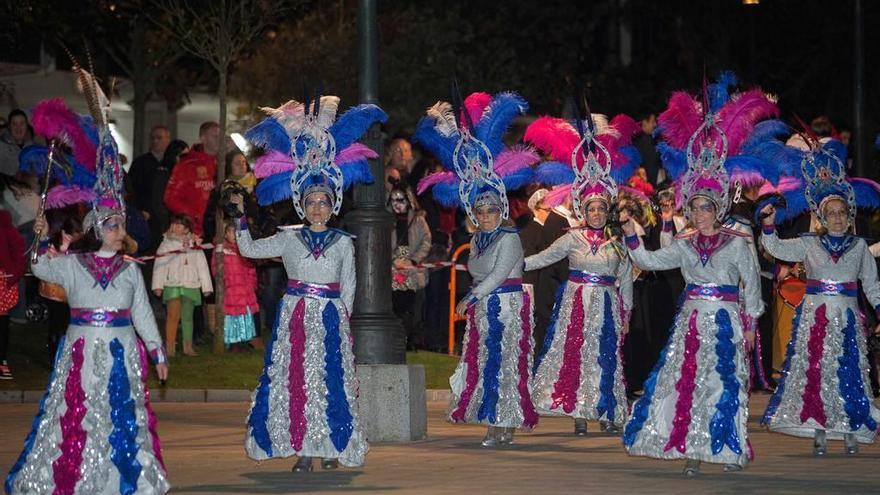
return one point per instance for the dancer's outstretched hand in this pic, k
(768, 214)
(462, 307)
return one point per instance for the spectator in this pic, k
(12, 263)
(180, 279)
(532, 238)
(17, 135)
(646, 144)
(410, 244)
(159, 222)
(192, 179)
(240, 299)
(142, 174)
(400, 158)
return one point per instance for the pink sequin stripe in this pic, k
(65, 469)
(685, 387)
(566, 386)
(530, 415)
(470, 359)
(812, 399)
(151, 416)
(296, 376)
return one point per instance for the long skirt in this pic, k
(305, 403)
(579, 373)
(95, 431)
(491, 383)
(695, 404)
(824, 384)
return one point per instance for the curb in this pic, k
(185, 395)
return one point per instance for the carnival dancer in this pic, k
(824, 391)
(491, 383)
(579, 372)
(305, 403)
(695, 403)
(95, 431)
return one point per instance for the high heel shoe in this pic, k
(329, 463)
(505, 437)
(580, 427)
(820, 446)
(491, 438)
(692, 468)
(303, 465)
(851, 445)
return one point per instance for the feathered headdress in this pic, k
(702, 141)
(468, 141)
(307, 149)
(589, 157)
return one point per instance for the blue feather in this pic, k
(674, 160)
(765, 131)
(785, 159)
(518, 179)
(623, 172)
(446, 194)
(440, 146)
(837, 149)
(88, 125)
(32, 159)
(795, 205)
(351, 125)
(746, 163)
(274, 188)
(866, 195)
(554, 173)
(270, 135)
(877, 142)
(718, 94)
(497, 119)
(356, 172)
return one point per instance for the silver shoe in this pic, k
(851, 445)
(820, 445)
(732, 468)
(505, 437)
(491, 438)
(691, 469)
(329, 463)
(609, 427)
(580, 427)
(303, 465)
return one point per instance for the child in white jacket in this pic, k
(180, 279)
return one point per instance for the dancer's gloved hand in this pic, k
(162, 371)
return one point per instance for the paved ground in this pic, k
(203, 449)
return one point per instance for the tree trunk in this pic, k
(219, 235)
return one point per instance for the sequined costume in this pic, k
(579, 372)
(695, 404)
(95, 431)
(491, 383)
(305, 403)
(824, 383)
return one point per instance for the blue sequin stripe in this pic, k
(640, 410)
(123, 438)
(35, 424)
(492, 368)
(260, 412)
(551, 328)
(856, 403)
(773, 404)
(608, 362)
(339, 418)
(722, 427)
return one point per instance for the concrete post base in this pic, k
(391, 402)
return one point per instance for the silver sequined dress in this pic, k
(695, 403)
(491, 382)
(305, 403)
(95, 431)
(824, 384)
(579, 371)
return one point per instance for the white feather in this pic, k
(444, 118)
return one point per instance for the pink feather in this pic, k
(619, 133)
(61, 196)
(557, 195)
(682, 117)
(514, 159)
(476, 104)
(553, 136)
(435, 178)
(272, 163)
(749, 178)
(355, 152)
(53, 119)
(739, 116)
(637, 193)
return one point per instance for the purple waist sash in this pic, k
(711, 292)
(832, 288)
(308, 289)
(100, 317)
(588, 278)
